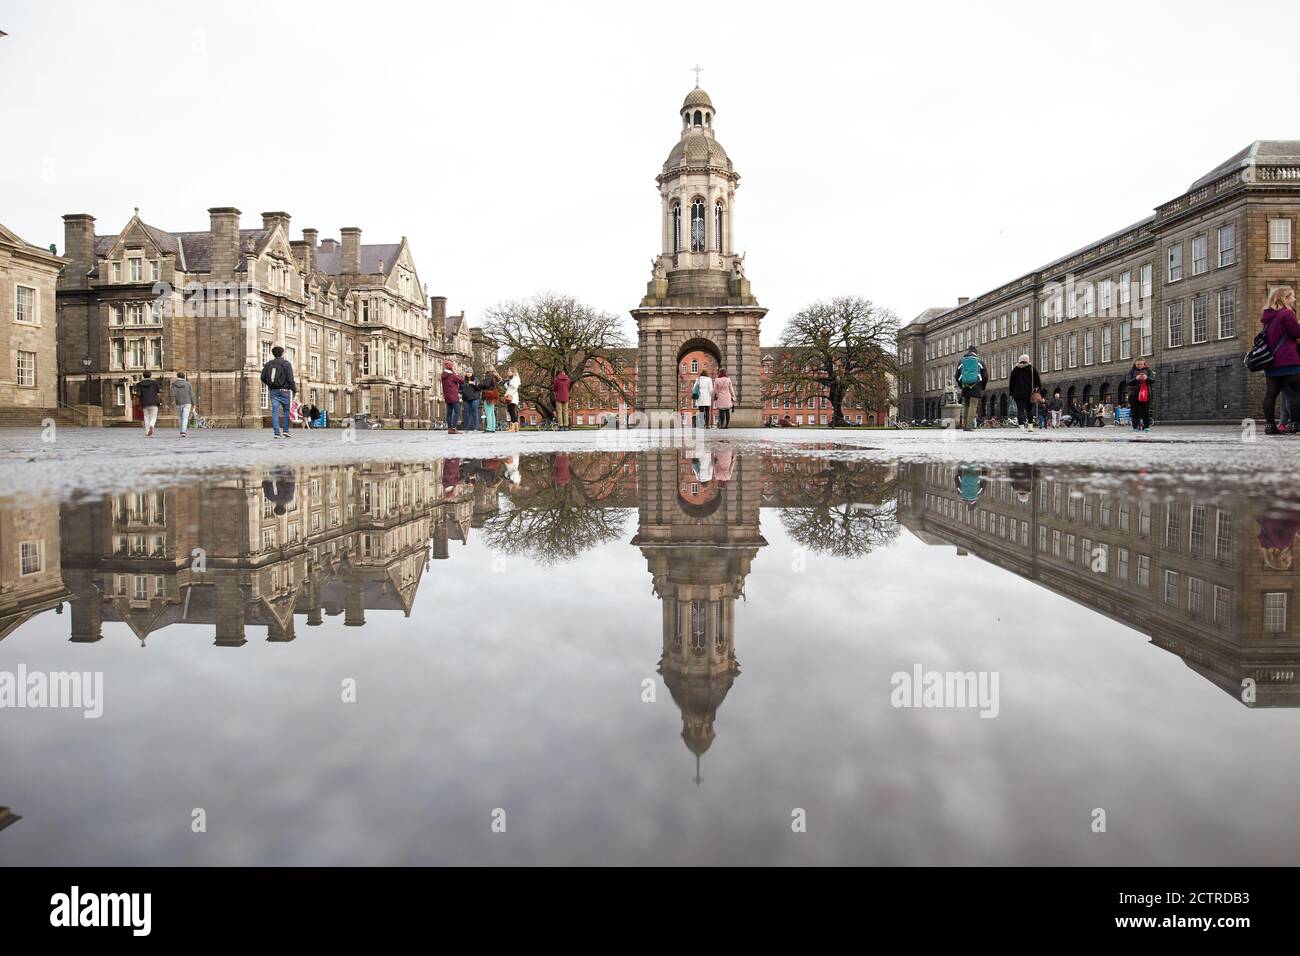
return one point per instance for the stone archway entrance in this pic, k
(666, 336)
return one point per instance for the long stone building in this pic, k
(1183, 289)
(354, 319)
(29, 379)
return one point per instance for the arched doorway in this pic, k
(1104, 394)
(1002, 405)
(1069, 398)
(693, 357)
(1087, 394)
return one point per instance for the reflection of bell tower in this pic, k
(699, 534)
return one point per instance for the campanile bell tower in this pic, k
(698, 296)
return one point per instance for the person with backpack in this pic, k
(560, 391)
(277, 376)
(969, 479)
(1282, 376)
(149, 390)
(451, 383)
(702, 397)
(1141, 387)
(1026, 389)
(971, 377)
(183, 399)
(470, 395)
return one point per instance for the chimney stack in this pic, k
(309, 237)
(225, 240)
(351, 249)
(438, 314)
(962, 300)
(79, 248)
(271, 219)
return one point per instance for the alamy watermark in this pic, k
(975, 690)
(61, 690)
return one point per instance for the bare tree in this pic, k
(841, 508)
(550, 332)
(844, 347)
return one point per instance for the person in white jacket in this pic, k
(511, 394)
(704, 397)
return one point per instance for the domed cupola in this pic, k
(698, 147)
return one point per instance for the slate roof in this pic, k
(331, 263)
(1262, 152)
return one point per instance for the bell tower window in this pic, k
(699, 120)
(717, 225)
(697, 226)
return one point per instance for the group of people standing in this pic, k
(1025, 387)
(465, 393)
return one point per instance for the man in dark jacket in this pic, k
(971, 377)
(1141, 390)
(470, 394)
(150, 391)
(277, 376)
(1022, 383)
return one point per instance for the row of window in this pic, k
(698, 236)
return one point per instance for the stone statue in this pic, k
(738, 264)
(657, 268)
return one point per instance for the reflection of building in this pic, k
(699, 534)
(30, 576)
(1189, 573)
(253, 552)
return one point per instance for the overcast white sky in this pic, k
(910, 153)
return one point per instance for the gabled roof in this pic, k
(386, 253)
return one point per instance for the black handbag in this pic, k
(1260, 356)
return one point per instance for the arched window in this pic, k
(717, 225)
(699, 620)
(708, 119)
(677, 227)
(697, 226)
(698, 120)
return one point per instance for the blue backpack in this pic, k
(970, 371)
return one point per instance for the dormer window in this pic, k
(117, 271)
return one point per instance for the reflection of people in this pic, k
(1277, 533)
(278, 489)
(723, 461)
(560, 469)
(1022, 481)
(969, 480)
(703, 468)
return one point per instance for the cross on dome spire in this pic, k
(697, 69)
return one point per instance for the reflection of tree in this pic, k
(564, 505)
(842, 508)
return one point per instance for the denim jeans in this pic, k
(280, 399)
(470, 422)
(453, 414)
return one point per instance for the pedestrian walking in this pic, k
(471, 393)
(511, 393)
(971, 376)
(1282, 377)
(724, 396)
(702, 396)
(1055, 406)
(279, 488)
(1142, 388)
(277, 376)
(560, 392)
(149, 391)
(491, 393)
(451, 383)
(183, 399)
(1026, 389)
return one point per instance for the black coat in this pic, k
(1133, 383)
(471, 391)
(1022, 381)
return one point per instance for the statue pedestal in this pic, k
(951, 413)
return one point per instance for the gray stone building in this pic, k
(1183, 289)
(354, 319)
(29, 378)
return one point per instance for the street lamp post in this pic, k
(86, 362)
